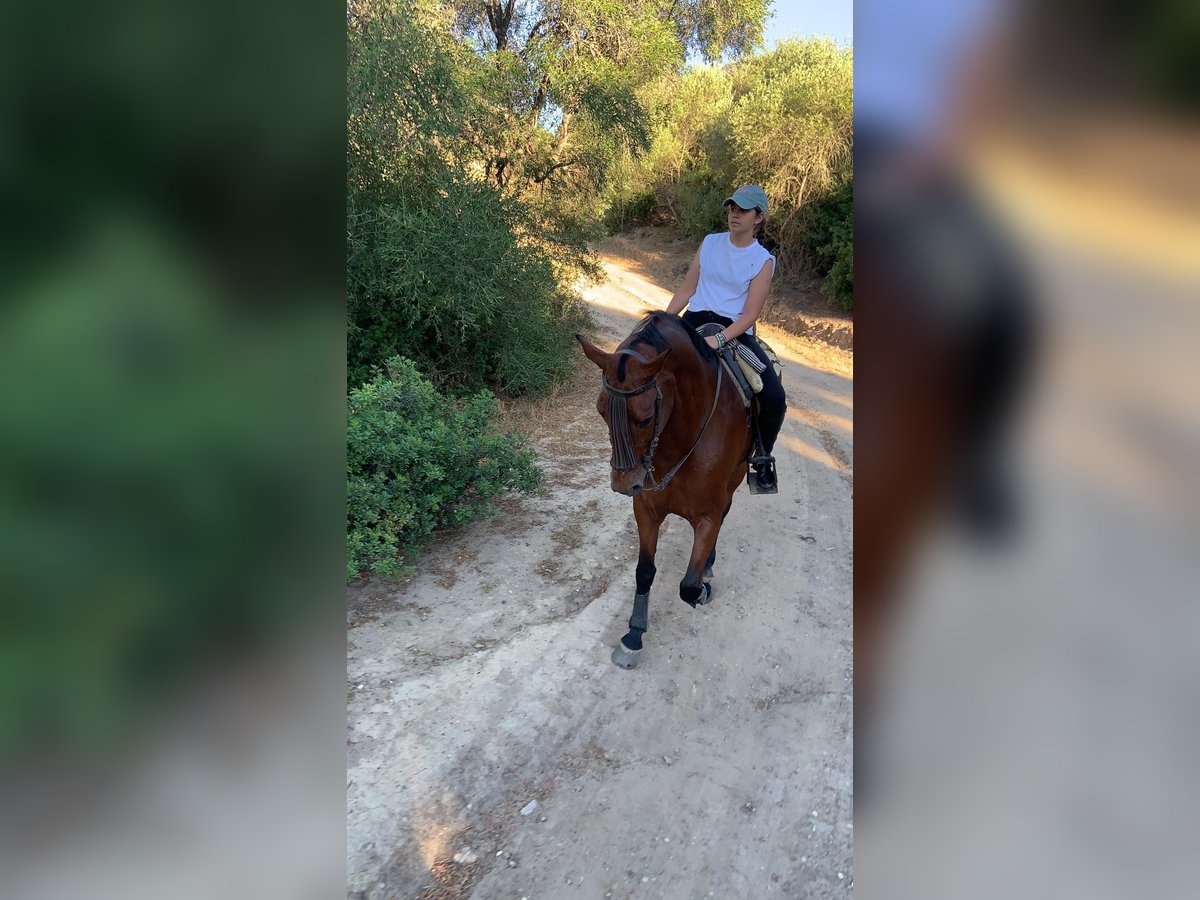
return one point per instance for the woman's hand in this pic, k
(711, 341)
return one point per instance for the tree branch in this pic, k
(500, 20)
(538, 179)
(537, 26)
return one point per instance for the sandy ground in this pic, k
(494, 751)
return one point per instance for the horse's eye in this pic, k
(645, 422)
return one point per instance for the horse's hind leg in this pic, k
(627, 650)
(712, 556)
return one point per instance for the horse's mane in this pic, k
(651, 331)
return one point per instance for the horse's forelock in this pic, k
(622, 356)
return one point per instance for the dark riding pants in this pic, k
(772, 403)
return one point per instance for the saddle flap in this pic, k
(745, 388)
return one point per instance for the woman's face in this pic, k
(742, 221)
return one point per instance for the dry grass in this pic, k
(570, 536)
(551, 416)
(369, 607)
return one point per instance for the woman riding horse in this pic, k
(727, 283)
(668, 406)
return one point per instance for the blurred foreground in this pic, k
(171, 452)
(1026, 580)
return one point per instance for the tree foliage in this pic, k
(792, 124)
(442, 267)
(570, 71)
(410, 97)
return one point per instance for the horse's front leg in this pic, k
(628, 649)
(696, 589)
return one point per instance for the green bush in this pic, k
(829, 243)
(630, 210)
(456, 278)
(695, 202)
(443, 266)
(417, 461)
(839, 281)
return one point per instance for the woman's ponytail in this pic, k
(760, 233)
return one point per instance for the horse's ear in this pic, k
(592, 352)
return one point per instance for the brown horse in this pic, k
(680, 437)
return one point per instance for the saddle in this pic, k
(746, 371)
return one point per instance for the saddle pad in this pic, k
(752, 377)
(752, 369)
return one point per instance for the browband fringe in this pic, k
(622, 441)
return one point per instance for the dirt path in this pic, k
(720, 767)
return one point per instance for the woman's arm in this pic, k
(756, 298)
(687, 289)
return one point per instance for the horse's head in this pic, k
(635, 401)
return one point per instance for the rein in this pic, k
(622, 439)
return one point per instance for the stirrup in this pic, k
(761, 477)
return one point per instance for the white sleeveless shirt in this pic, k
(725, 275)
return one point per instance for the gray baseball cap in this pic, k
(748, 196)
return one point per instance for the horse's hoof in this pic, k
(624, 657)
(706, 595)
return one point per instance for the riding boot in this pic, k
(762, 480)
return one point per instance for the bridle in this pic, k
(623, 459)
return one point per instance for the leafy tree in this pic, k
(793, 122)
(689, 161)
(569, 72)
(442, 267)
(410, 97)
(793, 132)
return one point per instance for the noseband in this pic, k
(623, 459)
